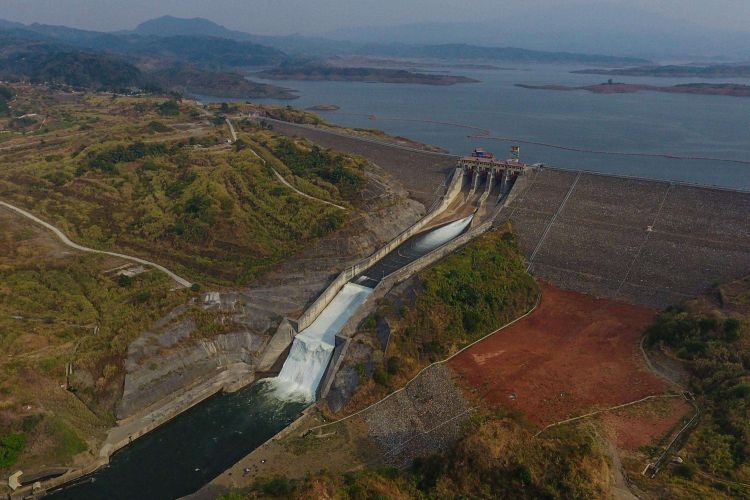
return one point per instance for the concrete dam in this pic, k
(641, 241)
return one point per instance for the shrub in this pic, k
(369, 322)
(685, 470)
(731, 329)
(278, 486)
(741, 390)
(11, 445)
(380, 376)
(169, 108)
(330, 167)
(708, 324)
(394, 365)
(124, 280)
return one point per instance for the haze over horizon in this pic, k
(670, 28)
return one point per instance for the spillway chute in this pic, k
(313, 347)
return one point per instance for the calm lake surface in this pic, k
(649, 122)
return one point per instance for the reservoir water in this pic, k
(181, 456)
(648, 122)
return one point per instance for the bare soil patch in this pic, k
(573, 354)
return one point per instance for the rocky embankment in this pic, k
(169, 360)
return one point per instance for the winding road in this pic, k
(278, 175)
(67, 241)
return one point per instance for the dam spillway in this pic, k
(312, 348)
(412, 249)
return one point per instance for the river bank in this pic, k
(229, 381)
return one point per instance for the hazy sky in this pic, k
(320, 16)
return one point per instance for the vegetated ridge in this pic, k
(209, 211)
(708, 338)
(466, 295)
(191, 80)
(49, 62)
(513, 54)
(196, 65)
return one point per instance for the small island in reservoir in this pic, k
(323, 107)
(728, 89)
(342, 74)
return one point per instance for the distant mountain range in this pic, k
(196, 48)
(186, 63)
(187, 39)
(617, 28)
(192, 65)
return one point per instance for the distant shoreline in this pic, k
(675, 71)
(725, 89)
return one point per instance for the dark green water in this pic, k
(181, 456)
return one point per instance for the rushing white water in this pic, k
(441, 235)
(313, 347)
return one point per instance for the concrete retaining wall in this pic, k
(281, 339)
(342, 345)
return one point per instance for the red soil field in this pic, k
(574, 354)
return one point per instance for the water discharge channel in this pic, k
(184, 454)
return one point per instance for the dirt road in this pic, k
(179, 280)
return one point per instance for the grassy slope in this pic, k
(50, 301)
(183, 198)
(498, 458)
